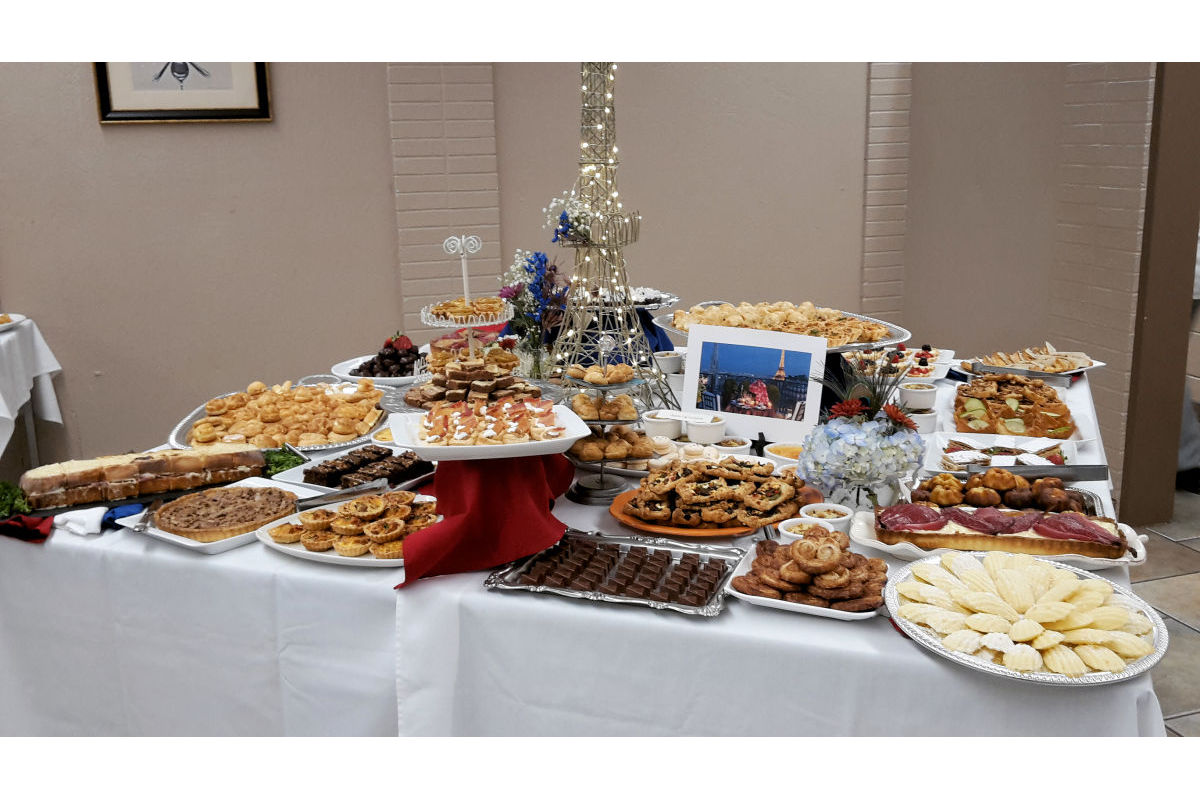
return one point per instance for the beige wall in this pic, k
(749, 177)
(981, 213)
(169, 263)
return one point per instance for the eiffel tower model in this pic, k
(600, 323)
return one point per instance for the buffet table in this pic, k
(124, 635)
(27, 367)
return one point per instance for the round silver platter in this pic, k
(933, 642)
(665, 300)
(178, 437)
(895, 336)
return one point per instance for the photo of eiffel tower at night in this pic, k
(756, 381)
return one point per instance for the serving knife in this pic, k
(1067, 472)
(147, 516)
(1050, 378)
(379, 484)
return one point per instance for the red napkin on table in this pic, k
(28, 529)
(495, 511)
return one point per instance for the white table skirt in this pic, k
(478, 663)
(124, 635)
(26, 368)
(473, 662)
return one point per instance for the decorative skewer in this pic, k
(462, 245)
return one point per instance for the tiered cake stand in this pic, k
(599, 488)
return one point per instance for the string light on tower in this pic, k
(591, 219)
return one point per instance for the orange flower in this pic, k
(847, 408)
(899, 417)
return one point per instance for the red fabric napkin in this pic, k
(494, 511)
(28, 529)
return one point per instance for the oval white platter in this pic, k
(298, 550)
(862, 531)
(933, 642)
(342, 370)
(17, 319)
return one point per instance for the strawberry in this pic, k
(389, 342)
(403, 343)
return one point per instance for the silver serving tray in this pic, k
(896, 334)
(506, 577)
(930, 640)
(178, 435)
(666, 300)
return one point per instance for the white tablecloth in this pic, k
(124, 635)
(26, 370)
(474, 662)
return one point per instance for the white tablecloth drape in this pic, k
(121, 634)
(474, 662)
(27, 367)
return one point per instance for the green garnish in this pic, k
(280, 461)
(12, 500)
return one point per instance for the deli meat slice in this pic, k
(911, 517)
(983, 520)
(1024, 522)
(1069, 525)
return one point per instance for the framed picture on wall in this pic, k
(760, 381)
(182, 91)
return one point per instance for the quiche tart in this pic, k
(217, 514)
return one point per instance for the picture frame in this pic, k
(182, 91)
(759, 381)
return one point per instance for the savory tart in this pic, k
(217, 514)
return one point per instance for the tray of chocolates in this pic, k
(635, 570)
(345, 470)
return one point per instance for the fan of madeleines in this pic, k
(1025, 614)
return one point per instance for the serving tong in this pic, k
(1049, 378)
(377, 485)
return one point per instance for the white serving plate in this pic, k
(295, 475)
(1035, 373)
(404, 431)
(342, 370)
(1085, 424)
(17, 319)
(298, 550)
(938, 440)
(932, 641)
(222, 545)
(783, 605)
(862, 532)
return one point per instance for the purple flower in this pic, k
(509, 292)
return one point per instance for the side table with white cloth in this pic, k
(476, 662)
(27, 369)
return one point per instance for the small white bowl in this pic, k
(675, 381)
(669, 361)
(841, 523)
(926, 421)
(783, 461)
(706, 432)
(786, 525)
(740, 450)
(918, 394)
(653, 425)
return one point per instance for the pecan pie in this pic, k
(216, 514)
